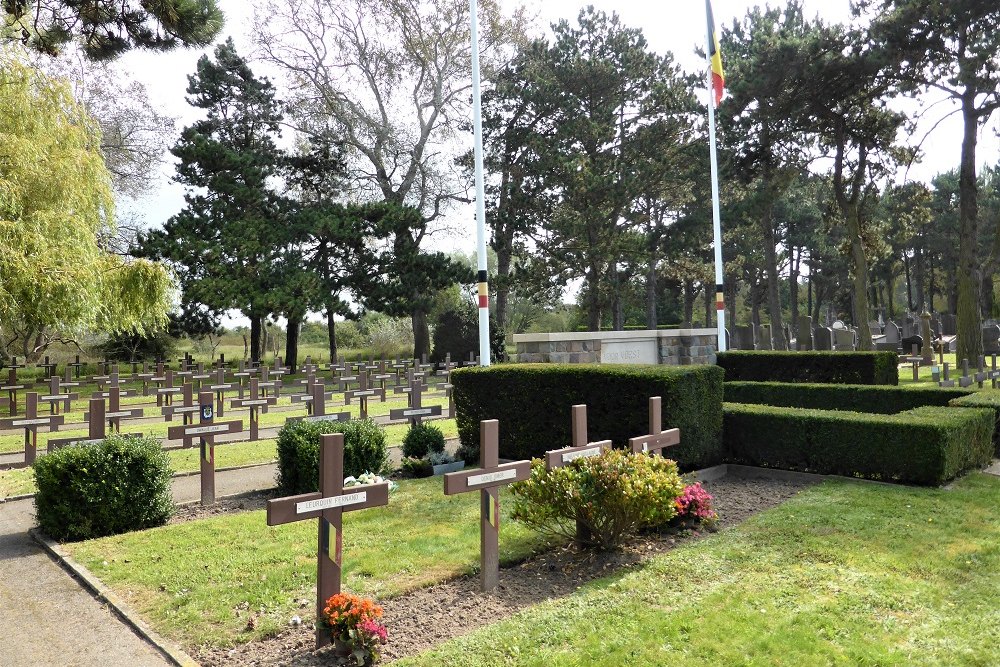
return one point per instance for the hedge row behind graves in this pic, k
(533, 401)
(365, 450)
(927, 445)
(870, 368)
(880, 399)
(983, 399)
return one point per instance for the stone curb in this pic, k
(172, 652)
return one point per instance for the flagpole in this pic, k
(477, 124)
(716, 221)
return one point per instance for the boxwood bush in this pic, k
(989, 398)
(533, 401)
(881, 399)
(928, 445)
(835, 367)
(422, 439)
(365, 450)
(115, 486)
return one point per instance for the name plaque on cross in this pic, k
(656, 440)
(335, 501)
(490, 477)
(585, 453)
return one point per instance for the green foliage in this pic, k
(928, 445)
(126, 347)
(115, 486)
(878, 368)
(612, 496)
(107, 28)
(983, 399)
(533, 401)
(298, 443)
(423, 439)
(881, 399)
(457, 332)
(416, 467)
(56, 210)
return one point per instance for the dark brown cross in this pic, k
(95, 428)
(315, 400)
(382, 375)
(187, 409)
(445, 367)
(76, 366)
(220, 387)
(488, 479)
(144, 376)
(165, 393)
(13, 386)
(279, 367)
(114, 413)
(107, 378)
(581, 447)
(30, 423)
(363, 393)
(994, 373)
(199, 376)
(221, 362)
(417, 410)
(244, 373)
(270, 386)
(206, 429)
(344, 381)
(473, 360)
(657, 439)
(257, 404)
(55, 397)
(48, 368)
(328, 505)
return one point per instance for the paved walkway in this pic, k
(46, 618)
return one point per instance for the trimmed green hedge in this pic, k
(928, 445)
(115, 486)
(880, 399)
(988, 398)
(533, 401)
(365, 450)
(880, 368)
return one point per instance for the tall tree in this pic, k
(226, 244)
(56, 210)
(951, 46)
(108, 28)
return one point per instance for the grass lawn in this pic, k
(843, 574)
(189, 580)
(21, 481)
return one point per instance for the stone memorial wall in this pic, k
(669, 347)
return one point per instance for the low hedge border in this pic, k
(879, 399)
(988, 398)
(927, 445)
(869, 368)
(533, 401)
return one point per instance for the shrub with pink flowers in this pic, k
(694, 506)
(355, 628)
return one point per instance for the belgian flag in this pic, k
(715, 56)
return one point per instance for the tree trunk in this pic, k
(421, 334)
(859, 280)
(970, 329)
(593, 299)
(688, 300)
(502, 287)
(651, 319)
(793, 289)
(771, 266)
(292, 341)
(331, 330)
(617, 309)
(930, 283)
(986, 290)
(909, 282)
(890, 301)
(256, 325)
(709, 304)
(730, 292)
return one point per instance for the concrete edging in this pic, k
(171, 651)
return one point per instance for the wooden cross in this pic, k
(363, 393)
(220, 387)
(449, 391)
(13, 386)
(657, 439)
(187, 409)
(244, 373)
(221, 362)
(76, 366)
(328, 506)
(114, 414)
(95, 429)
(382, 375)
(165, 393)
(315, 401)
(472, 361)
(445, 367)
(344, 381)
(48, 368)
(30, 423)
(488, 479)
(279, 367)
(199, 375)
(914, 359)
(417, 411)
(270, 386)
(206, 429)
(102, 380)
(55, 397)
(256, 403)
(581, 447)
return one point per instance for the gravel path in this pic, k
(47, 618)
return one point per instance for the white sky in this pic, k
(669, 25)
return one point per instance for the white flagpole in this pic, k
(477, 124)
(716, 222)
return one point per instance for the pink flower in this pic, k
(374, 629)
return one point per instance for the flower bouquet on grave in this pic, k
(694, 508)
(355, 629)
(369, 478)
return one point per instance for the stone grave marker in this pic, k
(981, 373)
(257, 404)
(364, 392)
(823, 339)
(488, 479)
(965, 380)
(328, 505)
(206, 429)
(949, 325)
(946, 381)
(763, 340)
(55, 397)
(657, 439)
(843, 340)
(914, 360)
(416, 412)
(991, 339)
(804, 339)
(31, 422)
(743, 338)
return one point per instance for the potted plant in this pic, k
(442, 462)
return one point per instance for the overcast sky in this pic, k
(669, 25)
